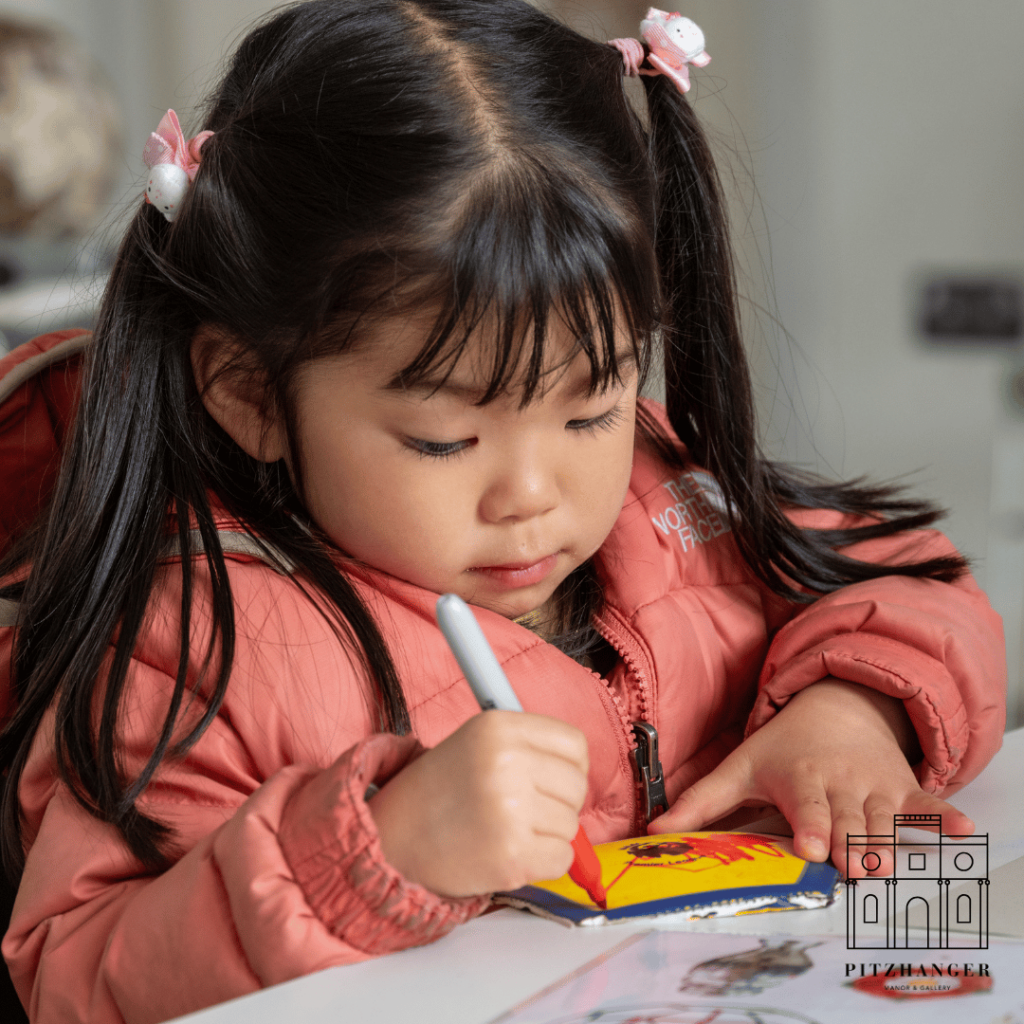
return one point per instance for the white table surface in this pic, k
(488, 965)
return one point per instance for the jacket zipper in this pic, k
(649, 771)
(641, 736)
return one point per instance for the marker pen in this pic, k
(493, 692)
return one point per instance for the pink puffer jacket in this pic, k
(280, 871)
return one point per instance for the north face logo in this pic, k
(697, 513)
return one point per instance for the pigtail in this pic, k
(134, 490)
(94, 568)
(708, 392)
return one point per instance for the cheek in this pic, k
(388, 510)
(621, 468)
(606, 479)
(349, 483)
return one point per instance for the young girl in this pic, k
(390, 346)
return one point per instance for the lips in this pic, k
(518, 574)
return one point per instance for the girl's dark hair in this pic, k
(477, 159)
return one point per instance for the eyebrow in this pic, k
(579, 388)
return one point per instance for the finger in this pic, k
(534, 858)
(558, 779)
(553, 819)
(878, 821)
(954, 822)
(552, 736)
(711, 798)
(536, 845)
(551, 858)
(859, 834)
(881, 821)
(805, 804)
(848, 841)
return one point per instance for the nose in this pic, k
(523, 485)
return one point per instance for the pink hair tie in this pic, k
(673, 43)
(173, 163)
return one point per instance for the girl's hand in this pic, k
(494, 806)
(834, 761)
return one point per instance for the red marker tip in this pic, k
(586, 869)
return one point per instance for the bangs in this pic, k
(522, 256)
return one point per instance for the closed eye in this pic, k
(606, 421)
(437, 449)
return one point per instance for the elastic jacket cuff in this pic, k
(329, 838)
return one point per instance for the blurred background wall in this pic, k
(870, 149)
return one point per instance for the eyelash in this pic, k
(606, 421)
(437, 449)
(453, 449)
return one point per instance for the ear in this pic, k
(234, 394)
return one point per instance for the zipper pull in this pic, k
(648, 766)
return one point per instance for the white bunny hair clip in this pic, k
(673, 43)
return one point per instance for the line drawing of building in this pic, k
(938, 864)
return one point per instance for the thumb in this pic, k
(708, 799)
